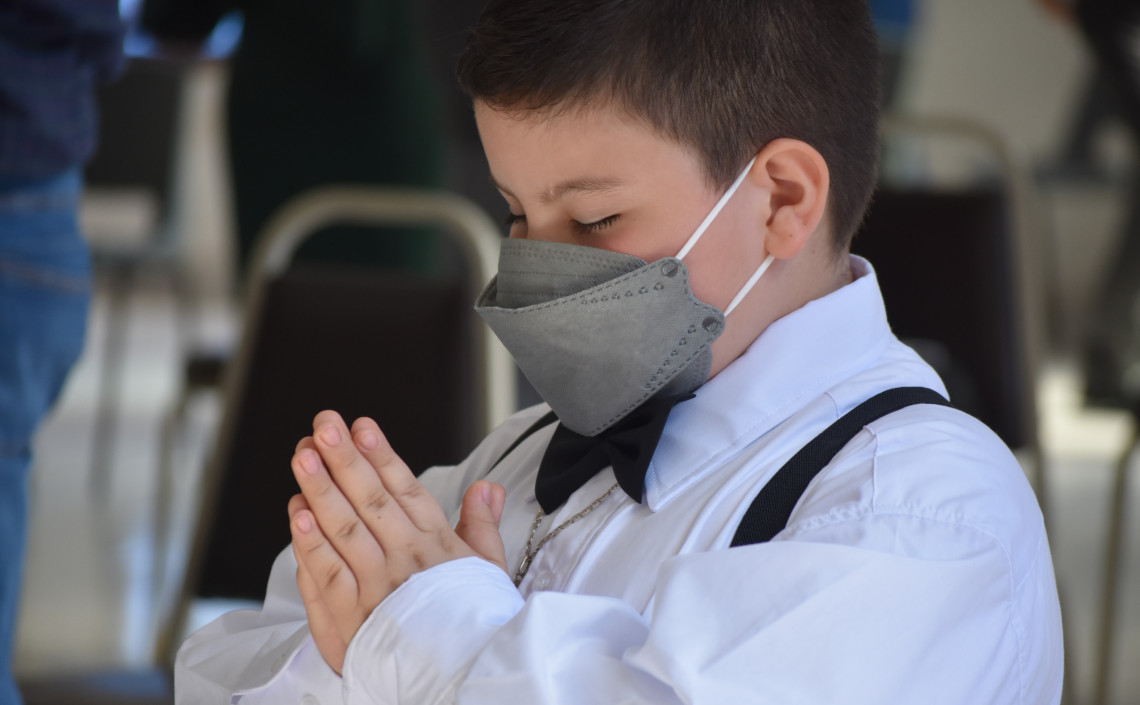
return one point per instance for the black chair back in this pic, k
(139, 117)
(389, 345)
(403, 347)
(944, 260)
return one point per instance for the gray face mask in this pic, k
(598, 332)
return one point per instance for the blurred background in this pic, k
(200, 150)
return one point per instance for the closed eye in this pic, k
(596, 226)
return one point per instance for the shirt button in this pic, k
(543, 582)
(310, 700)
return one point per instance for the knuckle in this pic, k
(333, 574)
(377, 501)
(394, 582)
(313, 548)
(420, 556)
(412, 492)
(347, 530)
(384, 454)
(325, 489)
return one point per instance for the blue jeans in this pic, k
(45, 290)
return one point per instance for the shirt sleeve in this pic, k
(848, 607)
(784, 622)
(258, 654)
(267, 655)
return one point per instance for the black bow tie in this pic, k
(572, 459)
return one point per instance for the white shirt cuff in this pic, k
(423, 638)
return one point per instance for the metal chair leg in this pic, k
(1039, 478)
(119, 283)
(1114, 546)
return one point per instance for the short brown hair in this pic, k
(722, 77)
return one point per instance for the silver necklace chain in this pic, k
(529, 553)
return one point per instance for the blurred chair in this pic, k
(127, 215)
(1113, 563)
(947, 235)
(135, 687)
(403, 348)
(944, 259)
(128, 218)
(955, 250)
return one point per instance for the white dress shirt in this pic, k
(914, 569)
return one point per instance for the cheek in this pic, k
(707, 283)
(719, 267)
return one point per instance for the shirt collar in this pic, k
(795, 360)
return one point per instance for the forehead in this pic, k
(543, 147)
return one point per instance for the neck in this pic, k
(788, 286)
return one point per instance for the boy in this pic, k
(684, 178)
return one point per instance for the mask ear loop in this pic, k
(750, 283)
(708, 221)
(715, 211)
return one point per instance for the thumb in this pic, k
(479, 521)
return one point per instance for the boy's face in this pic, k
(598, 178)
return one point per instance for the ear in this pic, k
(797, 181)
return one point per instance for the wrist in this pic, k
(397, 654)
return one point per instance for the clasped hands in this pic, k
(363, 524)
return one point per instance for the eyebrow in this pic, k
(587, 184)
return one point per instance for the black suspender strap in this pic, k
(769, 512)
(547, 419)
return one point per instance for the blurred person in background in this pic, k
(1111, 29)
(52, 55)
(321, 92)
(894, 24)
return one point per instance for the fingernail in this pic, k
(330, 435)
(486, 490)
(369, 440)
(304, 523)
(308, 462)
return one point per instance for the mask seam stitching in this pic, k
(617, 283)
(573, 257)
(613, 283)
(646, 395)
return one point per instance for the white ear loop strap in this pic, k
(715, 211)
(750, 283)
(708, 221)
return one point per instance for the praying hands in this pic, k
(363, 524)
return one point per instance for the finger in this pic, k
(398, 478)
(479, 521)
(296, 503)
(335, 516)
(322, 625)
(306, 442)
(360, 481)
(332, 576)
